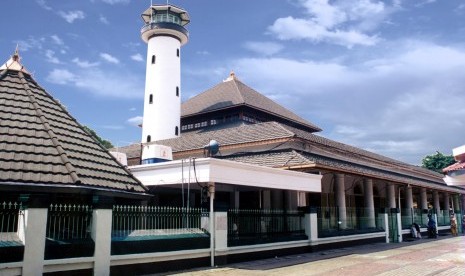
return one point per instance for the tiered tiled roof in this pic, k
(233, 93)
(297, 148)
(43, 147)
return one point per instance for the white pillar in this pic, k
(408, 202)
(391, 196)
(34, 248)
(369, 202)
(101, 234)
(341, 199)
(221, 230)
(311, 224)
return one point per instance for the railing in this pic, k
(263, 226)
(357, 221)
(68, 222)
(10, 214)
(413, 215)
(156, 221)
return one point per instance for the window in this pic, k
(184, 127)
(149, 138)
(177, 52)
(196, 125)
(151, 99)
(213, 122)
(177, 91)
(204, 124)
(176, 131)
(153, 59)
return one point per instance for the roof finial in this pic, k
(16, 54)
(232, 76)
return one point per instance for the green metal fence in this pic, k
(69, 222)
(157, 221)
(356, 221)
(264, 226)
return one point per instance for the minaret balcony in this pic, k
(164, 28)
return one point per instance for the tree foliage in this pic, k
(438, 161)
(107, 144)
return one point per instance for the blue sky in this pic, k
(386, 76)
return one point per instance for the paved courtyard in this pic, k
(444, 256)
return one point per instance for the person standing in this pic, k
(453, 225)
(463, 225)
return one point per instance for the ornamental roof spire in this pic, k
(14, 63)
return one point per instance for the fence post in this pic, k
(102, 216)
(35, 226)
(221, 231)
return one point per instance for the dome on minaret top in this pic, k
(165, 20)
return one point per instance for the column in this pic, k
(446, 204)
(369, 203)
(277, 199)
(236, 199)
(341, 199)
(456, 204)
(423, 199)
(436, 201)
(35, 225)
(391, 196)
(408, 201)
(266, 199)
(290, 200)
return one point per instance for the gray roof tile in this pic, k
(30, 121)
(234, 93)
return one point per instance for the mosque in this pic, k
(263, 138)
(229, 150)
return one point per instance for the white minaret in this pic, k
(164, 33)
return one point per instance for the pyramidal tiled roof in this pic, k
(42, 145)
(233, 92)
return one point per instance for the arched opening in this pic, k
(176, 131)
(149, 138)
(177, 91)
(153, 59)
(177, 52)
(151, 99)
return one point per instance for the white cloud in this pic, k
(404, 105)
(57, 40)
(104, 20)
(113, 2)
(31, 43)
(264, 48)
(50, 55)
(345, 23)
(43, 5)
(135, 121)
(132, 109)
(71, 16)
(137, 57)
(109, 58)
(61, 76)
(106, 83)
(203, 53)
(113, 127)
(85, 63)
